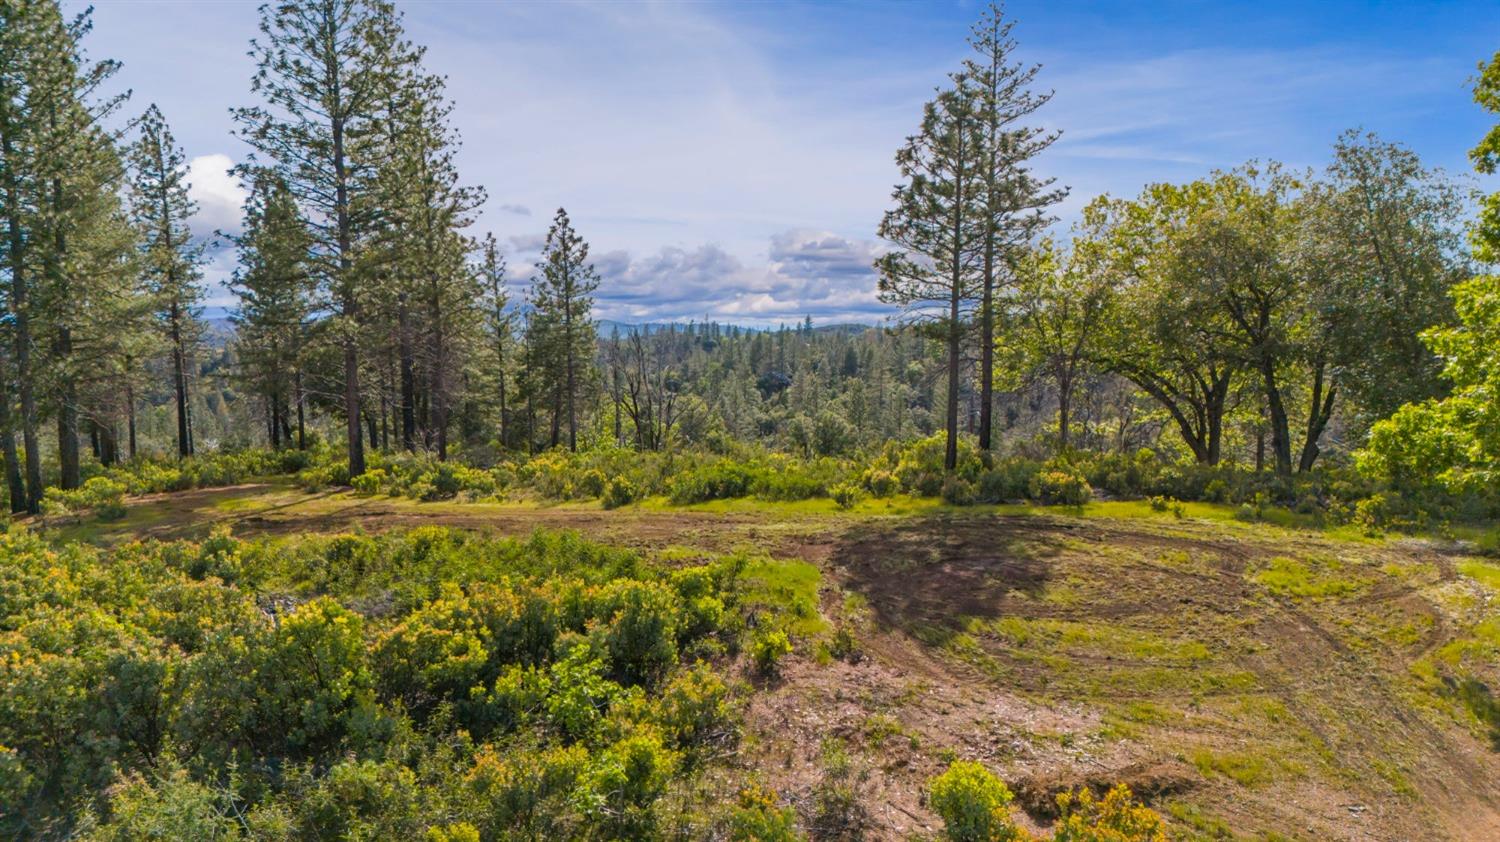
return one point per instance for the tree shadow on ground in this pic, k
(931, 572)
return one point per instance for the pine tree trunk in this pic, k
(67, 419)
(274, 429)
(31, 496)
(987, 348)
(301, 425)
(179, 383)
(439, 379)
(109, 449)
(556, 417)
(13, 481)
(408, 379)
(504, 413)
(130, 414)
(348, 300)
(572, 383)
(950, 455)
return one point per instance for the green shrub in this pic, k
(174, 807)
(716, 481)
(958, 491)
(354, 696)
(846, 496)
(642, 619)
(767, 649)
(757, 817)
(973, 804)
(1114, 818)
(1011, 479)
(436, 654)
(102, 496)
(618, 492)
(1159, 503)
(590, 483)
(315, 679)
(578, 694)
(694, 709)
(919, 465)
(1062, 487)
(844, 645)
(881, 483)
(621, 789)
(370, 482)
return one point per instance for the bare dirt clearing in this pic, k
(1243, 677)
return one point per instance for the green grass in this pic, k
(788, 590)
(1318, 578)
(1248, 770)
(1092, 638)
(1486, 573)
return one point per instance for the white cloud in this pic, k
(219, 195)
(808, 272)
(730, 162)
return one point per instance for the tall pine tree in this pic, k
(1015, 200)
(274, 286)
(938, 229)
(561, 327)
(161, 208)
(325, 69)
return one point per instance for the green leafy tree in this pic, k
(1454, 442)
(1060, 301)
(1381, 248)
(1485, 233)
(1162, 331)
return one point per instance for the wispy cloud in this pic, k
(734, 160)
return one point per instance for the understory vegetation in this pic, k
(360, 687)
(618, 476)
(1101, 510)
(430, 683)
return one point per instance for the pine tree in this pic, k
(24, 31)
(78, 240)
(325, 70)
(274, 287)
(564, 336)
(170, 259)
(424, 253)
(1015, 201)
(938, 229)
(499, 327)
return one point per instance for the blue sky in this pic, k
(732, 160)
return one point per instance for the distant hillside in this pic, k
(220, 328)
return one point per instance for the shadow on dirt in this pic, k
(935, 570)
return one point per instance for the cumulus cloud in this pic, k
(219, 195)
(517, 210)
(809, 273)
